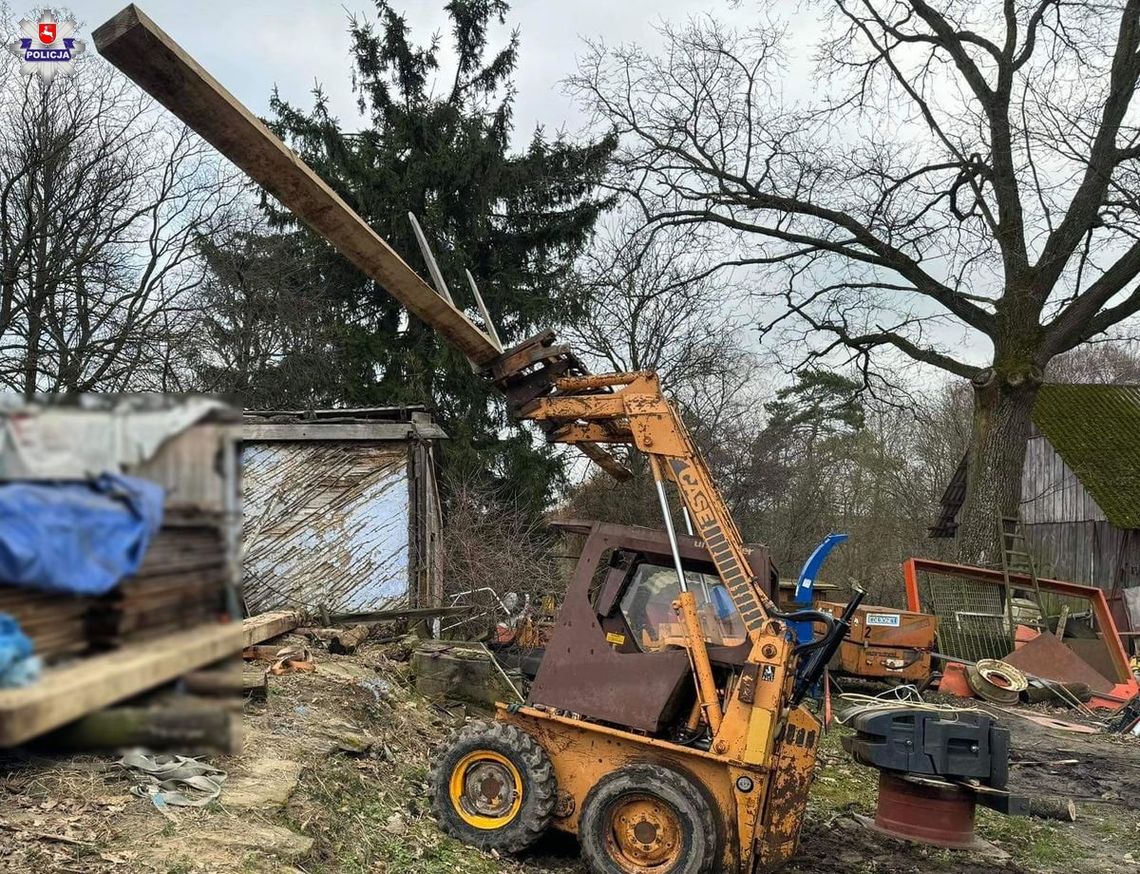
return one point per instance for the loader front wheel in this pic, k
(493, 787)
(646, 819)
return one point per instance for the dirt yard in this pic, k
(332, 780)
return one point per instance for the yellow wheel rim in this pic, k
(644, 835)
(486, 790)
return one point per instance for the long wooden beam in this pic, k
(154, 61)
(138, 47)
(65, 694)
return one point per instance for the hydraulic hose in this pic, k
(820, 655)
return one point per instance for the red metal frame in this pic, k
(913, 566)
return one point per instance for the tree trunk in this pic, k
(1002, 416)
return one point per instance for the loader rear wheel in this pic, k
(646, 819)
(493, 787)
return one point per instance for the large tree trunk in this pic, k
(1002, 415)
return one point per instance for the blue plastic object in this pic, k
(18, 667)
(806, 583)
(76, 538)
(722, 604)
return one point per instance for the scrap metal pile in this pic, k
(1008, 637)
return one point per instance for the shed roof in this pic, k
(354, 423)
(1096, 431)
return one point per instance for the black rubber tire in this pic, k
(539, 789)
(701, 851)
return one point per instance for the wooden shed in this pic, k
(1080, 491)
(342, 510)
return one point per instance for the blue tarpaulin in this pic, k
(76, 538)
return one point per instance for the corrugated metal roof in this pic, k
(347, 414)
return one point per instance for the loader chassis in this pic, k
(583, 753)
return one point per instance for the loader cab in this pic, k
(614, 654)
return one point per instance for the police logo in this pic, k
(47, 48)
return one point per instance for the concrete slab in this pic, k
(265, 782)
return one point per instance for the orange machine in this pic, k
(885, 644)
(664, 727)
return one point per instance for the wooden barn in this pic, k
(1080, 492)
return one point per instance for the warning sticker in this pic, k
(615, 638)
(884, 619)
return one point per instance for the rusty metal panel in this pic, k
(326, 525)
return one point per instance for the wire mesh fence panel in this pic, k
(972, 619)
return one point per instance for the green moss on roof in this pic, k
(1096, 430)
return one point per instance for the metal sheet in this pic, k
(326, 525)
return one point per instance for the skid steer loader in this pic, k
(664, 727)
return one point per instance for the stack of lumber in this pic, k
(55, 623)
(181, 584)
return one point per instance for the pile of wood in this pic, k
(55, 623)
(180, 584)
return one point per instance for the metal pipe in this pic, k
(688, 520)
(664, 500)
(686, 607)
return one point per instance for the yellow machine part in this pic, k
(760, 814)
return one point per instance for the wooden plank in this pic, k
(155, 62)
(138, 47)
(64, 694)
(341, 431)
(265, 626)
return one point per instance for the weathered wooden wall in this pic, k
(326, 525)
(1072, 539)
(1050, 491)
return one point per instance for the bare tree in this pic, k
(102, 201)
(959, 178)
(492, 549)
(652, 303)
(1111, 362)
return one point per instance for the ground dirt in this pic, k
(332, 780)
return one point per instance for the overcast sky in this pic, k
(252, 45)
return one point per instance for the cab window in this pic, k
(647, 606)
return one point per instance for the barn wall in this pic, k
(1071, 536)
(327, 524)
(1094, 553)
(1050, 491)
